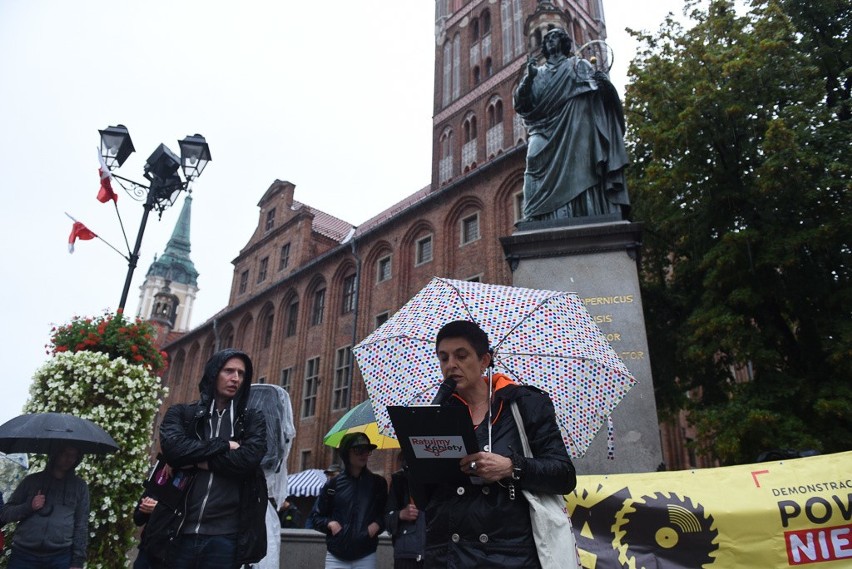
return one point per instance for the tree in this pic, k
(104, 369)
(741, 176)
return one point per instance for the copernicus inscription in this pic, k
(607, 321)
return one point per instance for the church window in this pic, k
(309, 398)
(319, 307)
(342, 366)
(519, 206)
(486, 22)
(284, 258)
(270, 219)
(292, 318)
(261, 272)
(423, 251)
(518, 27)
(268, 327)
(506, 29)
(381, 318)
(447, 90)
(286, 375)
(456, 66)
(243, 282)
(470, 229)
(348, 304)
(383, 269)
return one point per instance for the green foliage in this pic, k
(741, 176)
(113, 335)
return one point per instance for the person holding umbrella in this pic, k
(52, 511)
(486, 522)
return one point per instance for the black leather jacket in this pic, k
(480, 525)
(354, 503)
(183, 443)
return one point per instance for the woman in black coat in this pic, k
(486, 522)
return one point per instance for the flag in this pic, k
(105, 193)
(79, 231)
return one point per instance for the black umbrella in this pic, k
(44, 432)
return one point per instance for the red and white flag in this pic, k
(79, 231)
(105, 192)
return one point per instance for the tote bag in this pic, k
(551, 524)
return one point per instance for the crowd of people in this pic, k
(206, 504)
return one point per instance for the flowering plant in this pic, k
(123, 399)
(113, 335)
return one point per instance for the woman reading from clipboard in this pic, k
(486, 522)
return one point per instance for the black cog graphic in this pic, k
(664, 531)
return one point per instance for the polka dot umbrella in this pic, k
(542, 338)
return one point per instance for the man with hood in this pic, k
(221, 523)
(52, 511)
(351, 508)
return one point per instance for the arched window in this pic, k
(489, 68)
(456, 67)
(476, 75)
(448, 73)
(474, 30)
(445, 165)
(485, 18)
(469, 148)
(494, 134)
(506, 29)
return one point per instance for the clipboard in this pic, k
(433, 438)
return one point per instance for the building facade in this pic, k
(308, 286)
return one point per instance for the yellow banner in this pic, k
(767, 515)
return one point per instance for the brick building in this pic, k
(308, 286)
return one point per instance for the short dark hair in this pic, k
(565, 44)
(468, 330)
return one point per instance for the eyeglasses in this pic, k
(362, 450)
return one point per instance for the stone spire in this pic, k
(171, 283)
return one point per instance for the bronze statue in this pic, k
(575, 149)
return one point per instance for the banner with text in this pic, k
(768, 515)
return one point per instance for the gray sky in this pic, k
(335, 97)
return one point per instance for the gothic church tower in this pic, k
(481, 48)
(171, 284)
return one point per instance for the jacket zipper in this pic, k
(209, 480)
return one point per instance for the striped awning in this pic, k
(306, 483)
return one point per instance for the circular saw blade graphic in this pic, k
(664, 532)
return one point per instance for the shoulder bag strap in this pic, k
(521, 430)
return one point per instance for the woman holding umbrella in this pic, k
(486, 522)
(52, 511)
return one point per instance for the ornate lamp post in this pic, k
(161, 171)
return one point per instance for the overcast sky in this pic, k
(333, 96)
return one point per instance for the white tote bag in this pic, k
(551, 524)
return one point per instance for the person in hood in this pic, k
(486, 522)
(221, 522)
(351, 508)
(52, 511)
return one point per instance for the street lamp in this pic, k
(161, 171)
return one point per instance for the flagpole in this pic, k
(107, 243)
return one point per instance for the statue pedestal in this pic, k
(598, 262)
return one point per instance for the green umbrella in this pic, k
(359, 419)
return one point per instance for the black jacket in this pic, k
(409, 538)
(183, 443)
(354, 503)
(480, 525)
